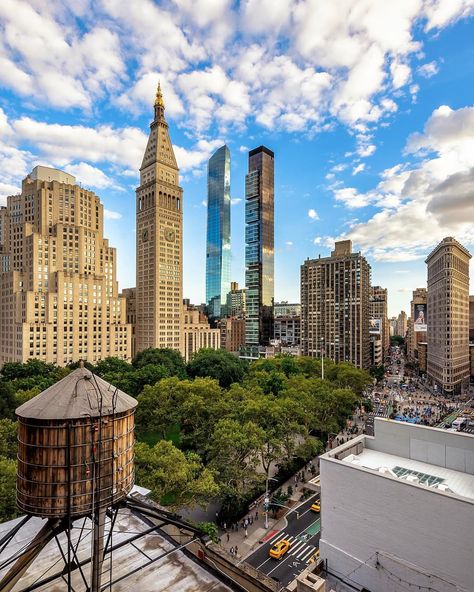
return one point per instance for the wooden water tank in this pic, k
(75, 447)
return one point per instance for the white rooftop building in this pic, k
(397, 510)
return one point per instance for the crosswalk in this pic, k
(300, 550)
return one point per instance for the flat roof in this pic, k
(414, 471)
(174, 572)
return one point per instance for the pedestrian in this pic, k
(235, 550)
(225, 525)
(256, 515)
(228, 537)
(251, 520)
(232, 552)
(246, 533)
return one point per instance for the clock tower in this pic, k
(159, 292)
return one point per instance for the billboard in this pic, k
(375, 326)
(420, 318)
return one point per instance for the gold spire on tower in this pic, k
(159, 102)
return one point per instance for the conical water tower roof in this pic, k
(77, 395)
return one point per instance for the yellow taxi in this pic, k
(314, 558)
(279, 549)
(316, 507)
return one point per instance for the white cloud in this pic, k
(358, 169)
(195, 157)
(428, 70)
(366, 150)
(289, 243)
(89, 175)
(110, 215)
(420, 204)
(244, 149)
(313, 214)
(235, 200)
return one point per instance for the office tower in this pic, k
(159, 207)
(401, 324)
(237, 301)
(232, 333)
(218, 255)
(59, 297)
(259, 249)
(418, 322)
(286, 309)
(335, 306)
(197, 331)
(448, 309)
(378, 306)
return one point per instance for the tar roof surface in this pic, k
(79, 394)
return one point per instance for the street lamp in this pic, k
(267, 499)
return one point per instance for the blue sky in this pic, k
(368, 106)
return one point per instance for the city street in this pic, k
(303, 534)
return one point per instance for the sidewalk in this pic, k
(257, 534)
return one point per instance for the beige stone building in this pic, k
(335, 306)
(159, 207)
(232, 332)
(414, 337)
(471, 319)
(59, 297)
(401, 324)
(197, 332)
(448, 322)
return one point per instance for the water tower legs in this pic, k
(98, 549)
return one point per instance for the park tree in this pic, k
(112, 365)
(22, 396)
(219, 364)
(8, 509)
(8, 439)
(175, 478)
(159, 407)
(232, 451)
(7, 400)
(169, 358)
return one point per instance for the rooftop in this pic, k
(149, 563)
(421, 456)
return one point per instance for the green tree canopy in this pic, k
(8, 402)
(8, 439)
(219, 364)
(174, 477)
(169, 358)
(8, 509)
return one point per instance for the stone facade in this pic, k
(58, 289)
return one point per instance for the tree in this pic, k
(22, 396)
(218, 364)
(378, 372)
(159, 406)
(8, 439)
(8, 509)
(174, 477)
(112, 365)
(169, 358)
(232, 452)
(7, 400)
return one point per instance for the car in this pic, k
(279, 549)
(316, 507)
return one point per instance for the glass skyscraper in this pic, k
(218, 233)
(259, 247)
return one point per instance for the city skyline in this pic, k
(367, 162)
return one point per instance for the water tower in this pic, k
(75, 460)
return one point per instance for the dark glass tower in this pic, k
(218, 233)
(259, 247)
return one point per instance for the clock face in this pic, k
(145, 235)
(170, 235)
